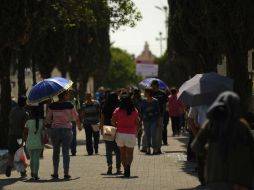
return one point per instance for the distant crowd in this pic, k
(220, 141)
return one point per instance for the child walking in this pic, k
(34, 145)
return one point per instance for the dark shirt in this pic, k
(107, 112)
(61, 105)
(137, 103)
(17, 118)
(162, 98)
(149, 110)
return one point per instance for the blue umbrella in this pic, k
(147, 82)
(48, 88)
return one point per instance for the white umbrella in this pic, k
(203, 89)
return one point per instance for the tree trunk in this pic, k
(82, 86)
(5, 59)
(238, 70)
(33, 71)
(210, 63)
(63, 73)
(21, 72)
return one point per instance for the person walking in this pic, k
(196, 118)
(176, 110)
(137, 100)
(165, 127)
(34, 144)
(162, 98)
(17, 119)
(228, 146)
(126, 120)
(90, 112)
(76, 103)
(108, 107)
(150, 117)
(165, 124)
(59, 115)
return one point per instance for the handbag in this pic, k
(109, 133)
(95, 127)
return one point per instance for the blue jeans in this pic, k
(61, 137)
(150, 131)
(111, 147)
(74, 139)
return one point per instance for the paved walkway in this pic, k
(167, 171)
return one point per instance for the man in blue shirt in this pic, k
(162, 98)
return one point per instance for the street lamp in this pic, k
(160, 39)
(165, 10)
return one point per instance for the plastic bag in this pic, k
(20, 160)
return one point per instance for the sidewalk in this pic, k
(167, 171)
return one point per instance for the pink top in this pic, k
(175, 106)
(61, 117)
(126, 123)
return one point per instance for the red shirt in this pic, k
(126, 123)
(175, 106)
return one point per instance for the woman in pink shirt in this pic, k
(60, 115)
(126, 119)
(176, 110)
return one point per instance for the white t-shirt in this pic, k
(198, 113)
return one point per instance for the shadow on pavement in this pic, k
(195, 188)
(49, 180)
(121, 177)
(188, 167)
(83, 141)
(9, 181)
(174, 151)
(93, 155)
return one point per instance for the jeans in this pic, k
(61, 137)
(74, 139)
(150, 130)
(111, 146)
(159, 133)
(34, 160)
(144, 141)
(90, 136)
(165, 126)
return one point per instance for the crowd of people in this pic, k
(219, 140)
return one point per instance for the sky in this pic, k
(133, 39)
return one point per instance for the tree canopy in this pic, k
(72, 35)
(122, 72)
(201, 31)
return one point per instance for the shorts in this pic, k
(126, 140)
